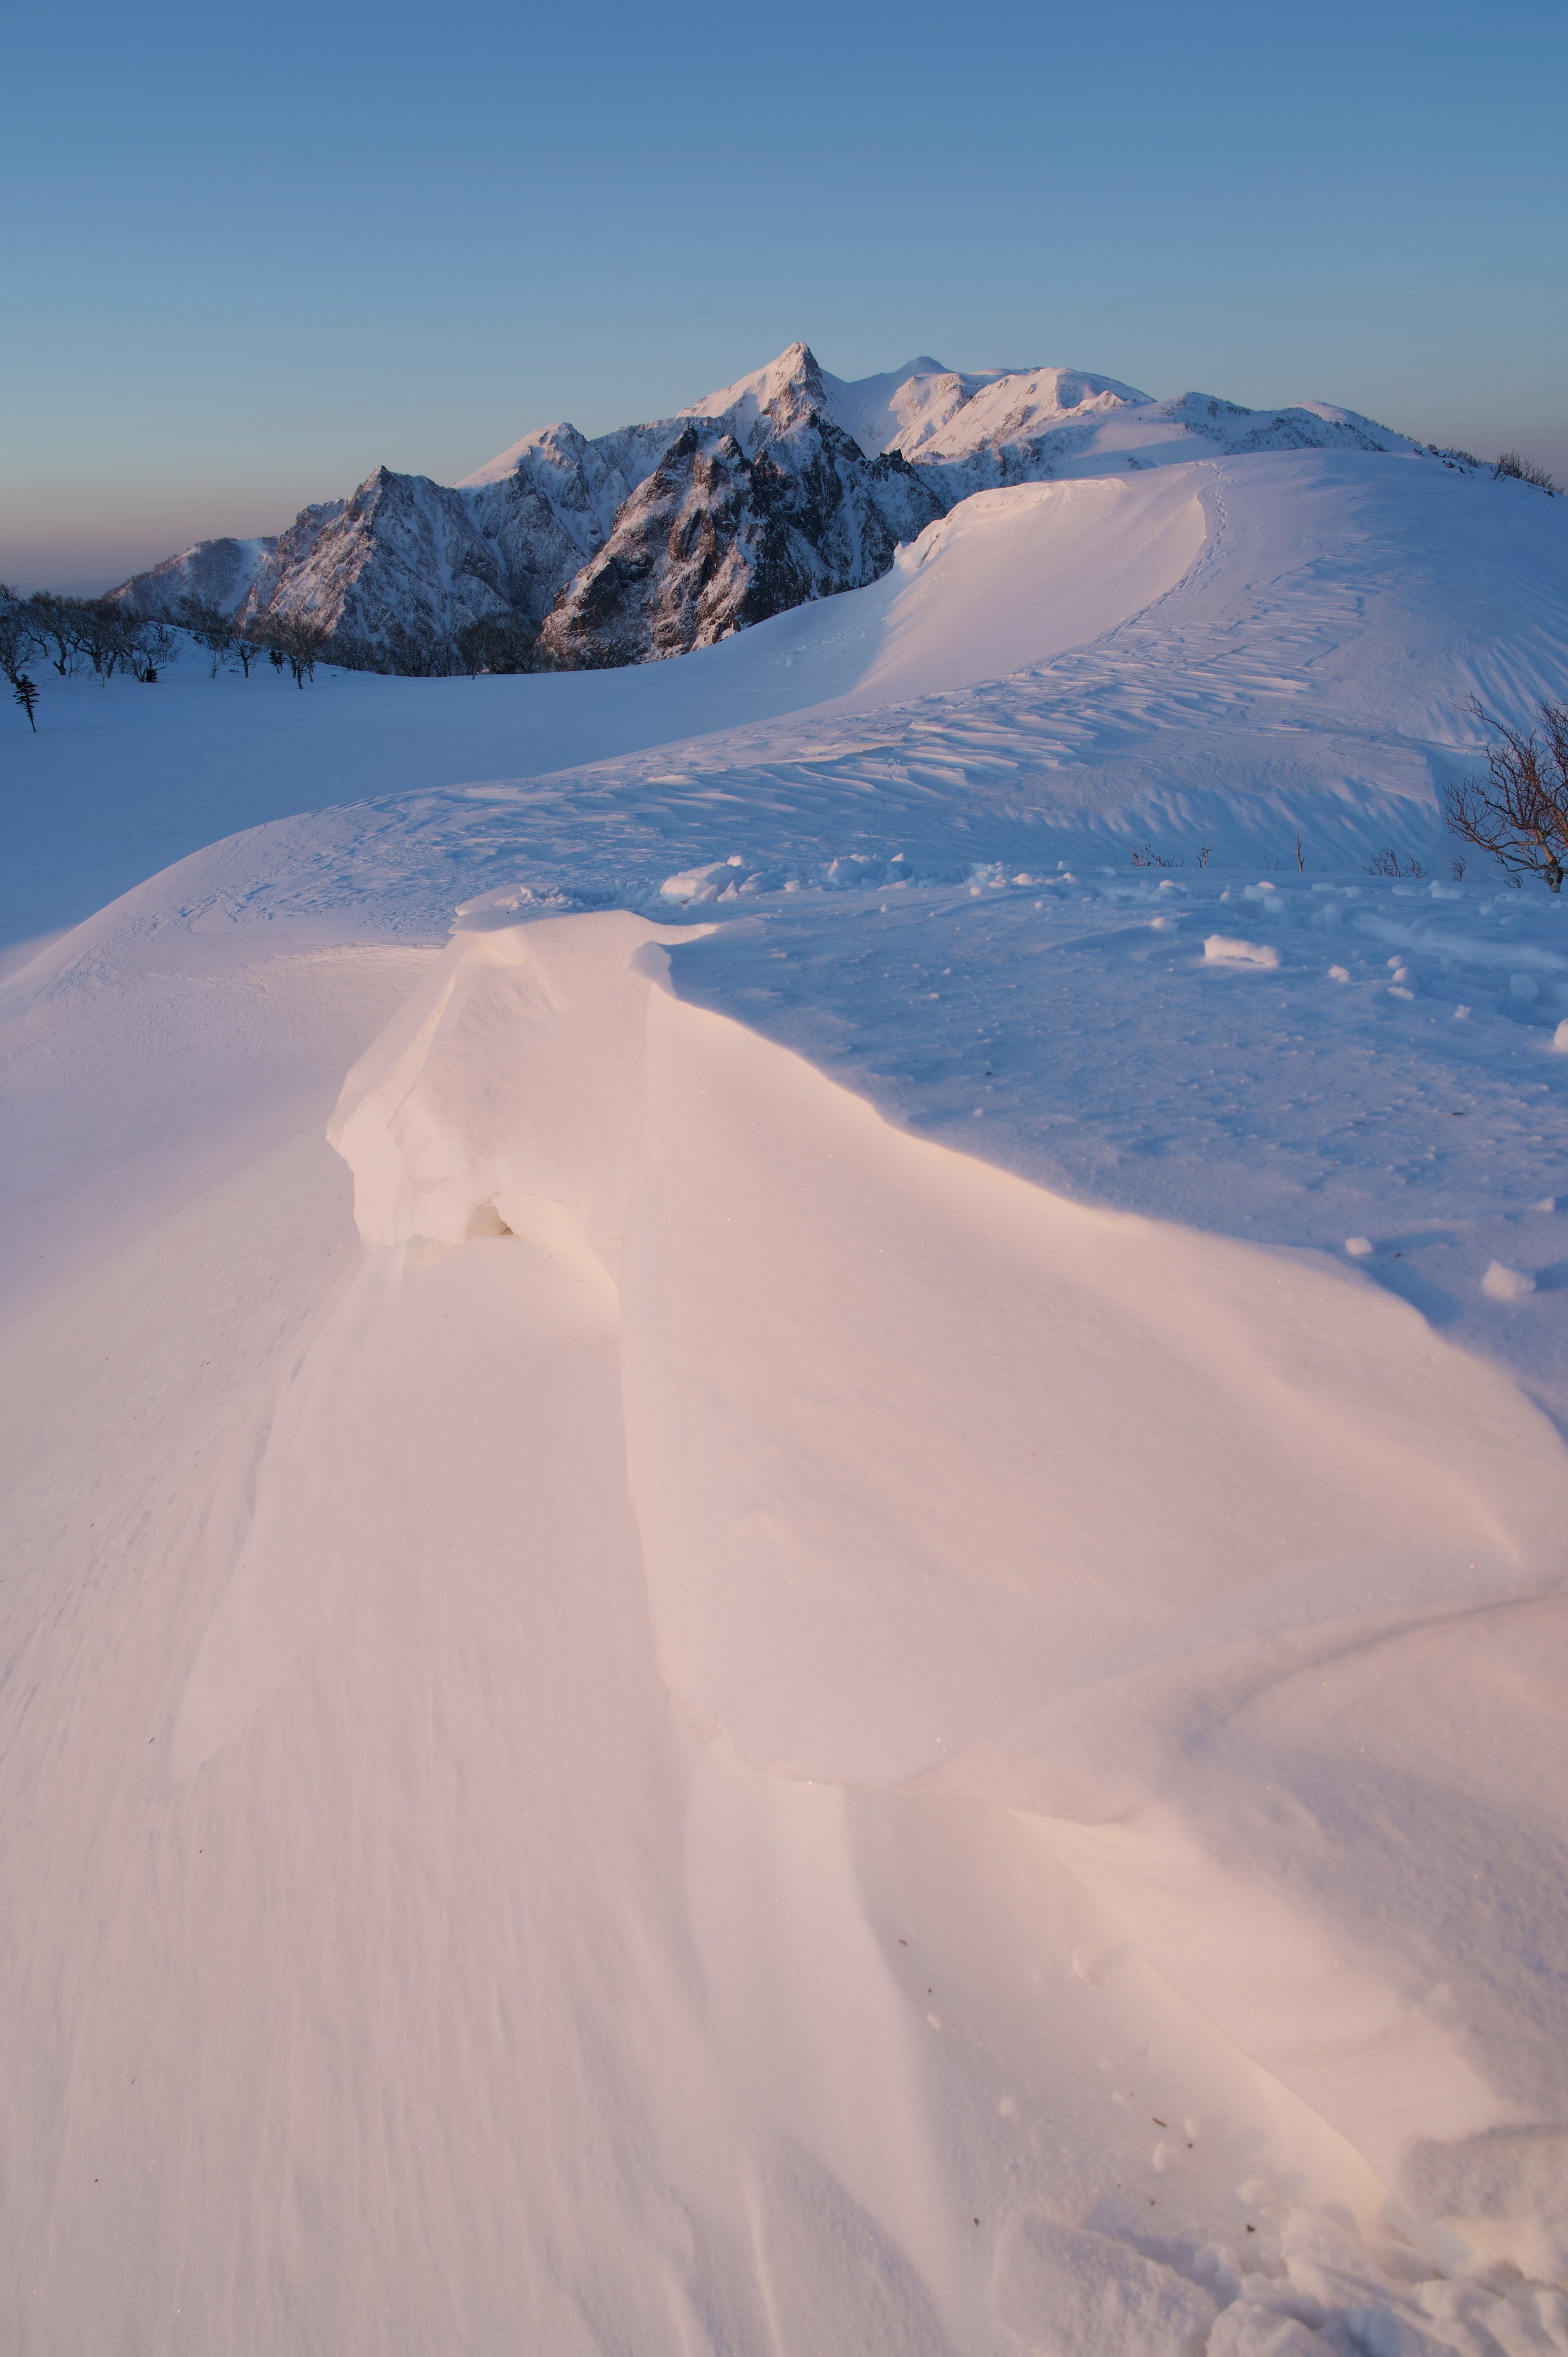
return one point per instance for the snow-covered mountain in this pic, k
(787, 485)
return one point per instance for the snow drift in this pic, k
(946, 1485)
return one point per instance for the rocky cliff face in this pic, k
(789, 485)
(717, 539)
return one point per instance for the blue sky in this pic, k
(253, 256)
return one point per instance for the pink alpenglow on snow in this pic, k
(661, 1692)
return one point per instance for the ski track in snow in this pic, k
(729, 1729)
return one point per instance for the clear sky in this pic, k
(254, 253)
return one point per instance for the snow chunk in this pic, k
(701, 883)
(1506, 1284)
(1066, 2288)
(1253, 2330)
(1223, 949)
(1358, 1247)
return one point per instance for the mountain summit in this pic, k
(789, 484)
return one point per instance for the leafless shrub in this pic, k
(1387, 863)
(1516, 812)
(1514, 467)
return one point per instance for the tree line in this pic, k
(75, 636)
(103, 636)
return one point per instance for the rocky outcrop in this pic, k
(715, 540)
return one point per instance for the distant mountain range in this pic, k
(567, 553)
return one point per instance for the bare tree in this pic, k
(1518, 811)
(495, 642)
(20, 641)
(103, 634)
(150, 646)
(1516, 468)
(294, 639)
(248, 648)
(57, 622)
(210, 626)
(20, 638)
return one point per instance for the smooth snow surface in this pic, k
(849, 1635)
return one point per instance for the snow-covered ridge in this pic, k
(787, 485)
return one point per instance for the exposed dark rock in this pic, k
(714, 541)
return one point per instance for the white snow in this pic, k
(924, 410)
(1228, 949)
(677, 1697)
(1055, 420)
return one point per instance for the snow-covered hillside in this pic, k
(789, 485)
(786, 1497)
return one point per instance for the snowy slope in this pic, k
(1311, 667)
(221, 573)
(794, 1661)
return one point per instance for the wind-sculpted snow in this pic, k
(894, 1424)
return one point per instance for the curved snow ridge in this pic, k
(946, 1484)
(1012, 578)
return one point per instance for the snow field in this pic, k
(843, 1679)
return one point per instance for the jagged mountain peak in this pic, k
(786, 391)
